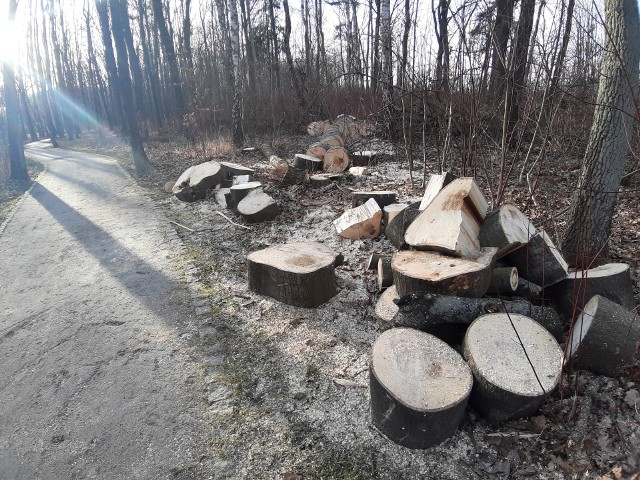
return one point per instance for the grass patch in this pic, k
(11, 190)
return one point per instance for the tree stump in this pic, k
(363, 158)
(238, 192)
(611, 281)
(195, 181)
(539, 261)
(509, 383)
(360, 222)
(385, 273)
(506, 228)
(257, 207)
(433, 272)
(451, 221)
(230, 170)
(386, 309)
(504, 281)
(335, 160)
(307, 162)
(436, 183)
(382, 198)
(396, 228)
(604, 338)
(419, 388)
(299, 274)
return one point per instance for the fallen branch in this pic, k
(232, 222)
(182, 226)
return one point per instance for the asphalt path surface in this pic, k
(97, 376)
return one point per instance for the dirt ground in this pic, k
(300, 376)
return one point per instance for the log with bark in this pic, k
(515, 364)
(506, 228)
(238, 192)
(436, 183)
(360, 222)
(307, 162)
(315, 129)
(396, 228)
(612, 281)
(386, 309)
(300, 274)
(434, 272)
(194, 183)
(419, 388)
(230, 170)
(451, 222)
(604, 338)
(381, 197)
(504, 281)
(257, 207)
(389, 212)
(448, 316)
(539, 261)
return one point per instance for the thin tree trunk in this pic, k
(274, 42)
(236, 110)
(297, 87)
(441, 20)
(502, 26)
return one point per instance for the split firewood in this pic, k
(386, 309)
(419, 388)
(515, 362)
(257, 207)
(372, 264)
(300, 274)
(335, 160)
(315, 129)
(451, 222)
(382, 198)
(436, 183)
(238, 192)
(506, 228)
(396, 228)
(604, 338)
(539, 261)
(230, 170)
(389, 212)
(385, 273)
(307, 162)
(317, 150)
(240, 179)
(358, 171)
(434, 272)
(612, 281)
(194, 183)
(363, 158)
(504, 281)
(360, 222)
(448, 316)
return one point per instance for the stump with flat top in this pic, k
(238, 192)
(300, 274)
(539, 261)
(307, 162)
(506, 228)
(360, 222)
(604, 338)
(389, 212)
(434, 272)
(195, 181)
(419, 388)
(257, 207)
(436, 183)
(363, 158)
(515, 362)
(451, 221)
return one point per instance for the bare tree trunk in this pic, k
(307, 40)
(387, 58)
(405, 43)
(375, 52)
(236, 111)
(287, 51)
(595, 200)
(559, 63)
(502, 26)
(109, 59)
(274, 42)
(248, 40)
(441, 21)
(150, 71)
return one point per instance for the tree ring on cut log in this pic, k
(419, 387)
(509, 383)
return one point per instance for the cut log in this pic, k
(360, 222)
(515, 363)
(386, 309)
(527, 289)
(389, 212)
(307, 162)
(396, 228)
(317, 150)
(331, 138)
(257, 207)
(320, 180)
(335, 160)
(194, 183)
(240, 179)
(504, 281)
(230, 170)
(385, 273)
(436, 183)
(300, 274)
(451, 222)
(419, 388)
(382, 198)
(363, 158)
(433, 272)
(605, 337)
(611, 281)
(506, 228)
(268, 151)
(315, 129)
(448, 316)
(285, 174)
(539, 261)
(238, 192)
(358, 171)
(372, 264)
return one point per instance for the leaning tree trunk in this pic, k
(594, 203)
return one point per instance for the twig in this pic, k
(182, 226)
(232, 222)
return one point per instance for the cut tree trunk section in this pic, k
(335, 160)
(382, 198)
(539, 261)
(299, 274)
(194, 183)
(389, 212)
(258, 207)
(361, 222)
(515, 363)
(307, 162)
(230, 170)
(504, 281)
(436, 183)
(238, 192)
(386, 309)
(507, 229)
(419, 388)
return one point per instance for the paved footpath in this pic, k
(97, 379)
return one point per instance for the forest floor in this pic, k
(11, 190)
(299, 377)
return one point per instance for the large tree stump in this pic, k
(300, 274)
(238, 192)
(604, 338)
(195, 181)
(539, 261)
(436, 183)
(433, 272)
(506, 228)
(257, 207)
(230, 170)
(360, 222)
(396, 228)
(419, 388)
(448, 317)
(307, 162)
(611, 281)
(513, 372)
(451, 221)
(386, 309)
(382, 198)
